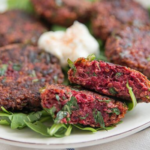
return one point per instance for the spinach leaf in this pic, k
(38, 127)
(85, 128)
(91, 57)
(60, 115)
(132, 105)
(98, 118)
(58, 28)
(71, 65)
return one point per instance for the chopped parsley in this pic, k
(3, 69)
(57, 97)
(71, 65)
(98, 118)
(82, 118)
(71, 105)
(17, 67)
(35, 80)
(116, 111)
(60, 115)
(112, 90)
(91, 57)
(94, 74)
(118, 75)
(106, 101)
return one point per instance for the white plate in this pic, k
(135, 121)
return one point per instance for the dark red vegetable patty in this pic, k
(17, 26)
(130, 47)
(110, 79)
(32, 61)
(108, 15)
(73, 106)
(63, 12)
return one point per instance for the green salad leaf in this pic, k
(38, 127)
(58, 28)
(132, 105)
(16, 120)
(85, 128)
(91, 57)
(20, 4)
(71, 65)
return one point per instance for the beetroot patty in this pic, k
(62, 12)
(110, 79)
(21, 94)
(32, 61)
(83, 107)
(109, 15)
(17, 26)
(130, 47)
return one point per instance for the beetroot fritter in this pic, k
(83, 107)
(32, 61)
(109, 15)
(62, 12)
(17, 26)
(130, 47)
(110, 79)
(20, 94)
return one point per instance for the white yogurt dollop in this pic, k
(73, 43)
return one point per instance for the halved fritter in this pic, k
(110, 79)
(62, 12)
(73, 106)
(109, 15)
(130, 47)
(17, 26)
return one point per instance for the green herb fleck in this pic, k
(94, 74)
(60, 115)
(51, 111)
(106, 101)
(91, 57)
(33, 74)
(82, 118)
(118, 75)
(3, 69)
(57, 97)
(116, 111)
(133, 98)
(71, 65)
(112, 90)
(71, 105)
(35, 80)
(17, 67)
(64, 98)
(88, 72)
(55, 79)
(98, 118)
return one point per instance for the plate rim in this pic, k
(77, 144)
